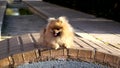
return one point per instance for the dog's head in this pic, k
(56, 31)
(56, 26)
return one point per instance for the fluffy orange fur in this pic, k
(58, 33)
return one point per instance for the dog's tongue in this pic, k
(55, 35)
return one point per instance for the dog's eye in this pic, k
(57, 29)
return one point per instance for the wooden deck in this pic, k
(98, 39)
(23, 49)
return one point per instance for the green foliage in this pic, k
(9, 11)
(25, 11)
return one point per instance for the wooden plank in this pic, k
(4, 52)
(96, 47)
(27, 42)
(108, 39)
(83, 44)
(14, 45)
(112, 50)
(35, 37)
(98, 42)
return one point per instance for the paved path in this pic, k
(2, 11)
(52, 10)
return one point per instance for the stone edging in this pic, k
(74, 54)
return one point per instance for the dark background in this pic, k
(100, 8)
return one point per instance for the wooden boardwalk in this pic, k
(98, 39)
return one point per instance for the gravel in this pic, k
(62, 64)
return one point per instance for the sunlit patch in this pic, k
(4, 37)
(18, 11)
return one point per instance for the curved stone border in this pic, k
(23, 49)
(74, 54)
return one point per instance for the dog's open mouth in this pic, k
(56, 34)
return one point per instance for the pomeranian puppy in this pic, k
(58, 33)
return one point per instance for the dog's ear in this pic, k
(63, 19)
(51, 19)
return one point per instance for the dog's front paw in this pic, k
(68, 45)
(56, 46)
